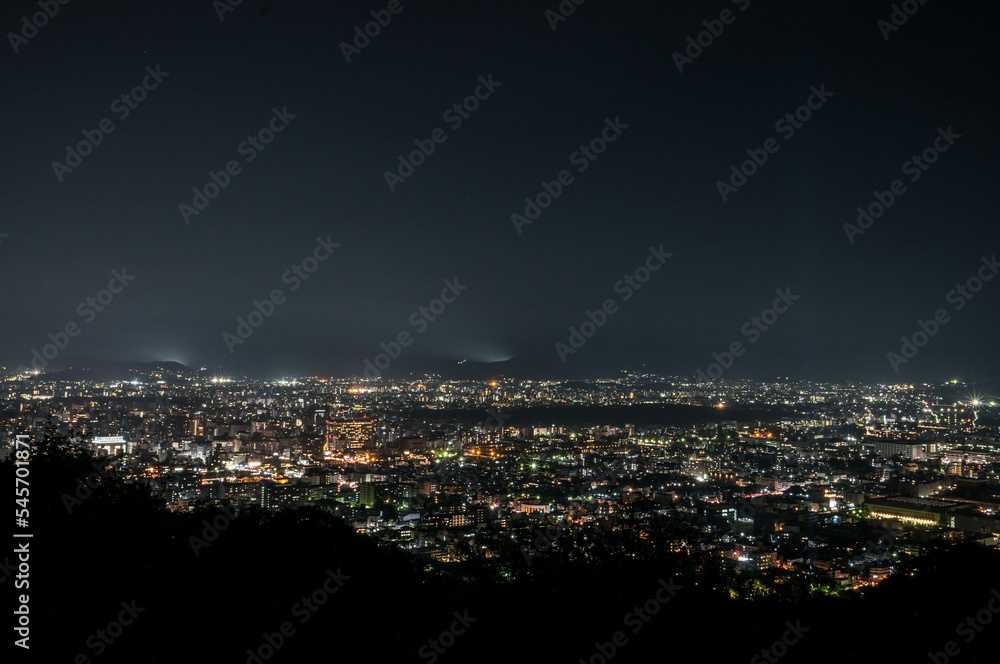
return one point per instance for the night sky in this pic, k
(551, 92)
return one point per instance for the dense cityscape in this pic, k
(790, 482)
(557, 331)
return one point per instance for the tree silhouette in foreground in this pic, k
(213, 602)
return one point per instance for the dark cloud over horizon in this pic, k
(655, 184)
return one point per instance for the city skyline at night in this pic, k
(551, 331)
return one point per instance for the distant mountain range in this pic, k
(110, 370)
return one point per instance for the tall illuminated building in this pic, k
(348, 434)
